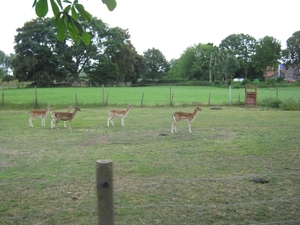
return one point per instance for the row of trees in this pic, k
(110, 57)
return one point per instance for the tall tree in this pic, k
(120, 50)
(291, 55)
(267, 53)
(242, 46)
(195, 62)
(157, 65)
(37, 57)
(231, 66)
(2, 65)
(77, 55)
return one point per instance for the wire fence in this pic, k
(138, 200)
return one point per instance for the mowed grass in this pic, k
(48, 176)
(146, 96)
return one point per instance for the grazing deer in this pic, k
(54, 118)
(118, 113)
(38, 113)
(184, 116)
(65, 116)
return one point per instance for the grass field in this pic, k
(152, 96)
(206, 177)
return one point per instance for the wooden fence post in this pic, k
(104, 179)
(142, 100)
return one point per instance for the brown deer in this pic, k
(118, 113)
(184, 116)
(65, 116)
(54, 118)
(38, 113)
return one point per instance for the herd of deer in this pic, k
(69, 116)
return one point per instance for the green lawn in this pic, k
(48, 176)
(148, 96)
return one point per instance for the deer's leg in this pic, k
(111, 121)
(189, 122)
(122, 121)
(30, 122)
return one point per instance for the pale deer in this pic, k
(184, 116)
(65, 116)
(118, 113)
(54, 118)
(38, 113)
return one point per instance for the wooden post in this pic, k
(36, 98)
(3, 98)
(142, 99)
(104, 179)
(106, 102)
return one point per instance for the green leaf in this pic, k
(86, 38)
(55, 8)
(61, 29)
(67, 9)
(59, 3)
(41, 8)
(67, 2)
(85, 14)
(111, 4)
(74, 13)
(34, 3)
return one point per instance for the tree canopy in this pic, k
(291, 54)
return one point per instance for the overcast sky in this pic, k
(173, 25)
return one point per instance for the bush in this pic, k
(271, 82)
(280, 80)
(217, 83)
(246, 81)
(270, 103)
(290, 104)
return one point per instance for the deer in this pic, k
(38, 113)
(177, 116)
(65, 116)
(118, 113)
(54, 118)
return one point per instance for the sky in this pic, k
(172, 26)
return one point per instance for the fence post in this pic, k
(104, 179)
(142, 100)
(3, 98)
